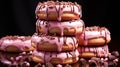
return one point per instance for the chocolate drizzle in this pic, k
(103, 33)
(55, 28)
(96, 50)
(53, 5)
(57, 55)
(59, 42)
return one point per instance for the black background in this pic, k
(17, 17)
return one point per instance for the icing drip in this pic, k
(20, 42)
(58, 7)
(95, 32)
(59, 13)
(59, 41)
(47, 26)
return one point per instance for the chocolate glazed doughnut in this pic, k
(58, 11)
(94, 36)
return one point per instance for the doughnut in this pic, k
(88, 52)
(66, 28)
(58, 11)
(94, 36)
(55, 57)
(16, 44)
(57, 65)
(53, 43)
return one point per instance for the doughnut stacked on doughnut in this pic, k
(57, 25)
(94, 42)
(59, 18)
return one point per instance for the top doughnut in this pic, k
(58, 11)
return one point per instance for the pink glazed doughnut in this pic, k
(66, 28)
(89, 52)
(16, 44)
(94, 36)
(58, 11)
(56, 57)
(53, 43)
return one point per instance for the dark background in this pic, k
(17, 17)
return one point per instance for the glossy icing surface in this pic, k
(97, 50)
(77, 25)
(20, 42)
(47, 56)
(59, 41)
(58, 7)
(95, 32)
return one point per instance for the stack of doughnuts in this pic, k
(94, 42)
(61, 40)
(58, 24)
